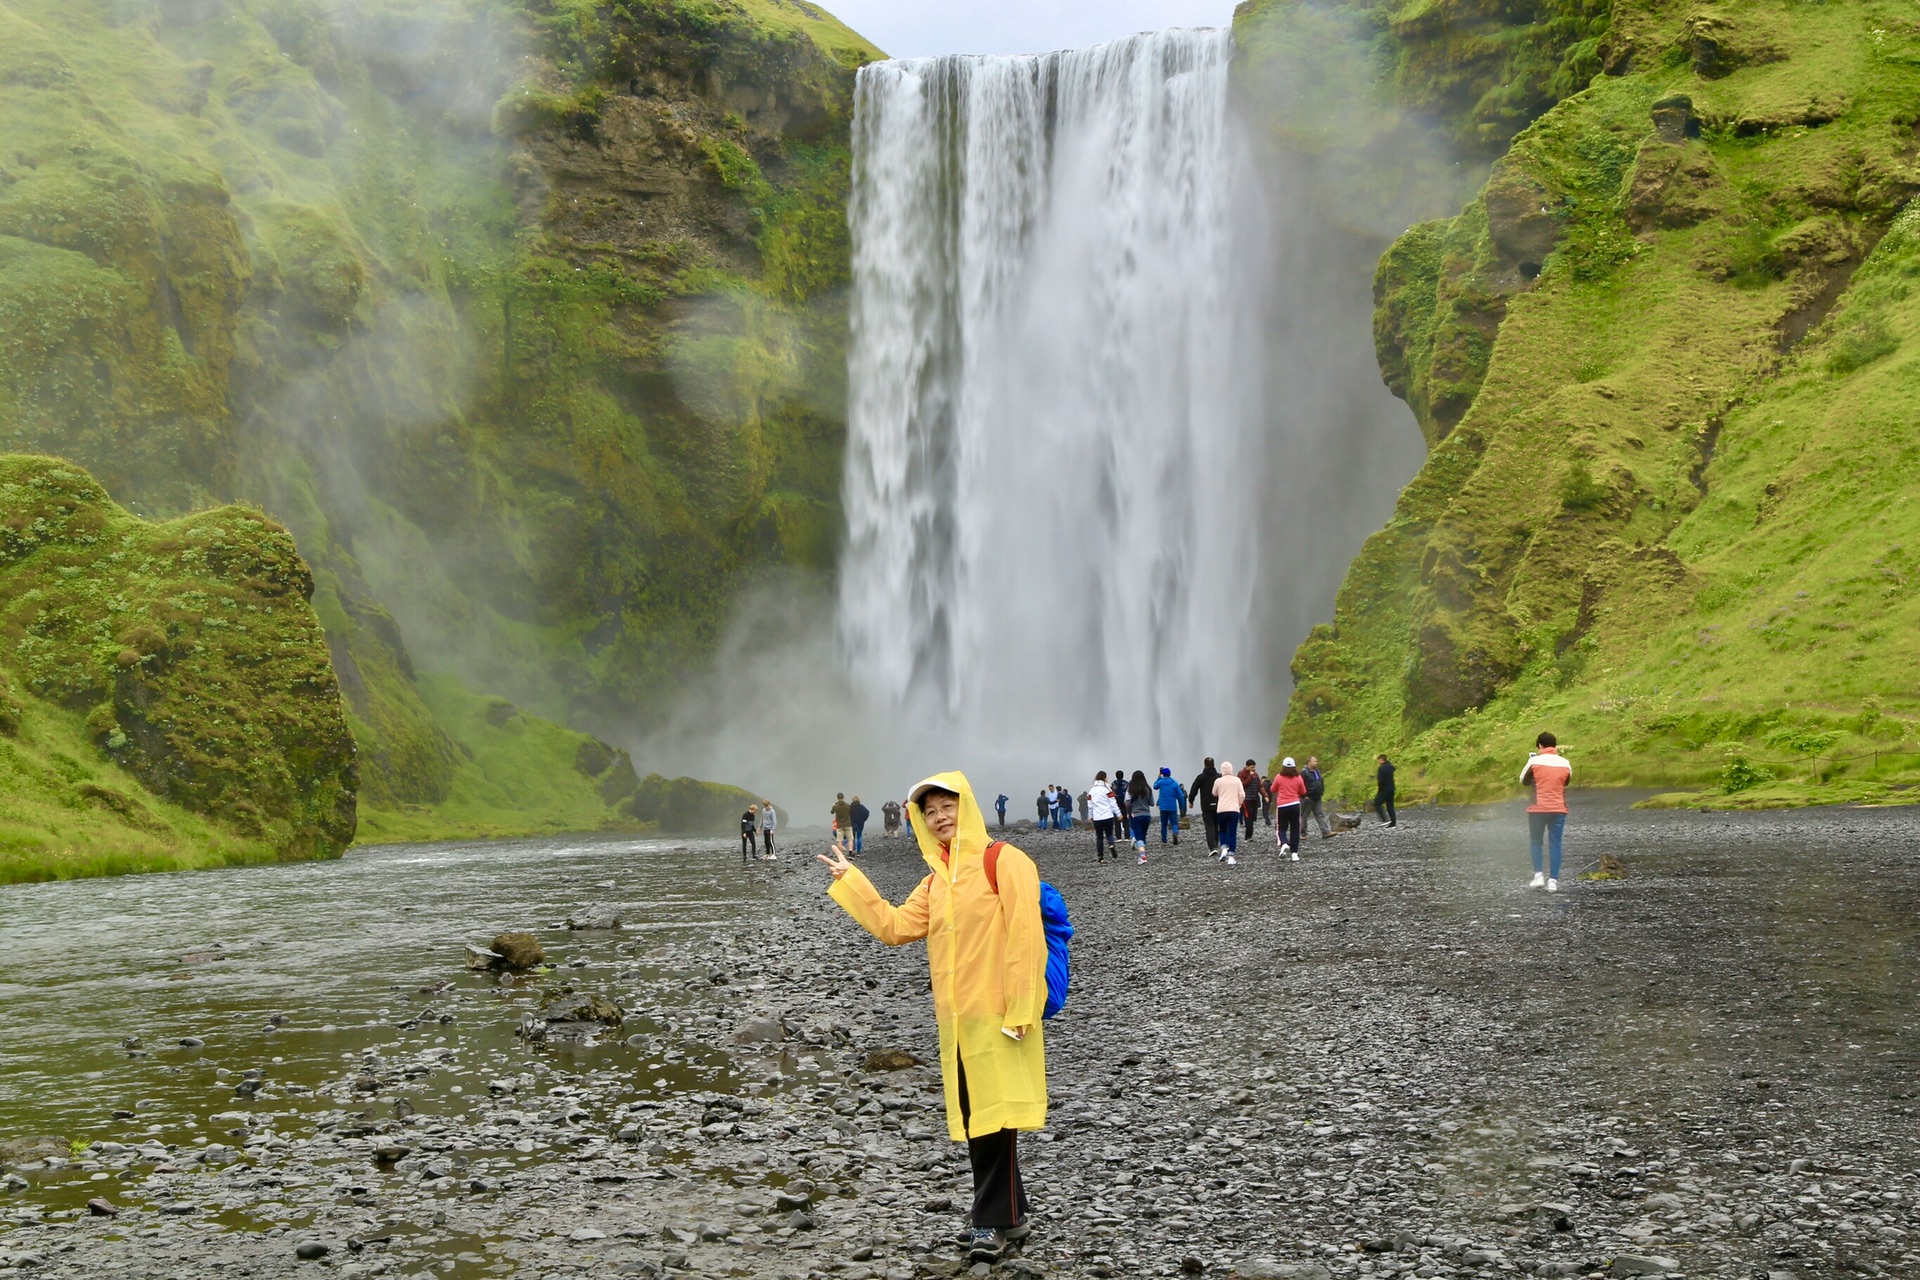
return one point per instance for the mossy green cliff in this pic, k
(1666, 366)
(522, 316)
(165, 693)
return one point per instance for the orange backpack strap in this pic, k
(991, 863)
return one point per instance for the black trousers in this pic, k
(999, 1192)
(1383, 805)
(746, 845)
(1210, 824)
(1102, 837)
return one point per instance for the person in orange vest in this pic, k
(978, 909)
(1548, 773)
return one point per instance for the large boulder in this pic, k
(518, 950)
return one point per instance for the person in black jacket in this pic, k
(859, 813)
(1383, 793)
(1315, 805)
(1202, 790)
(749, 822)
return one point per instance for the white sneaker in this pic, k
(1285, 847)
(1539, 878)
(1232, 861)
(1296, 857)
(1553, 886)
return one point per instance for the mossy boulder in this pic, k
(689, 806)
(190, 649)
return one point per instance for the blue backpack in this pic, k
(1053, 919)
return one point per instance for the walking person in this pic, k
(842, 821)
(1173, 800)
(1253, 785)
(890, 818)
(1104, 812)
(1229, 795)
(1289, 791)
(987, 951)
(1001, 806)
(1548, 773)
(1122, 797)
(749, 828)
(1315, 805)
(1139, 811)
(1202, 793)
(768, 820)
(859, 814)
(1383, 793)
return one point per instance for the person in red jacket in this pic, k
(1289, 789)
(1548, 773)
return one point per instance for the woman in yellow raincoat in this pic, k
(987, 956)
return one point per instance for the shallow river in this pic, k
(346, 952)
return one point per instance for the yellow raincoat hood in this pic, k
(986, 957)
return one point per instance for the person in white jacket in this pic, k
(1104, 812)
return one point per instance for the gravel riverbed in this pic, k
(1391, 1058)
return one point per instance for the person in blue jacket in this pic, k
(1001, 806)
(1171, 800)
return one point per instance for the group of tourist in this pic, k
(980, 912)
(760, 819)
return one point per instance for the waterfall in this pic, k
(1058, 458)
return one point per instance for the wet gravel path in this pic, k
(1391, 1058)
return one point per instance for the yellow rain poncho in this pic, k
(987, 955)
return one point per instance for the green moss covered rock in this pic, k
(189, 650)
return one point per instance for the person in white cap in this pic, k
(1289, 789)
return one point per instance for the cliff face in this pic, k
(164, 690)
(522, 317)
(1663, 365)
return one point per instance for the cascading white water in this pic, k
(1057, 458)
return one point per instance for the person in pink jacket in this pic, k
(1289, 789)
(1230, 794)
(1548, 773)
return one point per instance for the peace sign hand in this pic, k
(836, 862)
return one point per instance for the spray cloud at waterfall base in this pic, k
(1115, 430)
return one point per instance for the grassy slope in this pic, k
(1641, 523)
(183, 655)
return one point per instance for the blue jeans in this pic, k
(1554, 827)
(859, 830)
(1140, 822)
(1169, 823)
(1230, 830)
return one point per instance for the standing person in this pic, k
(1066, 808)
(1103, 812)
(1001, 806)
(1315, 805)
(1383, 793)
(768, 820)
(890, 818)
(1046, 810)
(1229, 796)
(1289, 791)
(842, 821)
(1139, 811)
(1053, 805)
(749, 827)
(1086, 798)
(1173, 800)
(1252, 784)
(987, 952)
(1548, 773)
(1202, 793)
(859, 813)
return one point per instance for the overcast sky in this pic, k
(917, 28)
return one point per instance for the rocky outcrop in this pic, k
(191, 651)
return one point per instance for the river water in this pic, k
(352, 954)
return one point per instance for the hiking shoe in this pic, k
(1018, 1231)
(1539, 880)
(986, 1244)
(1553, 886)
